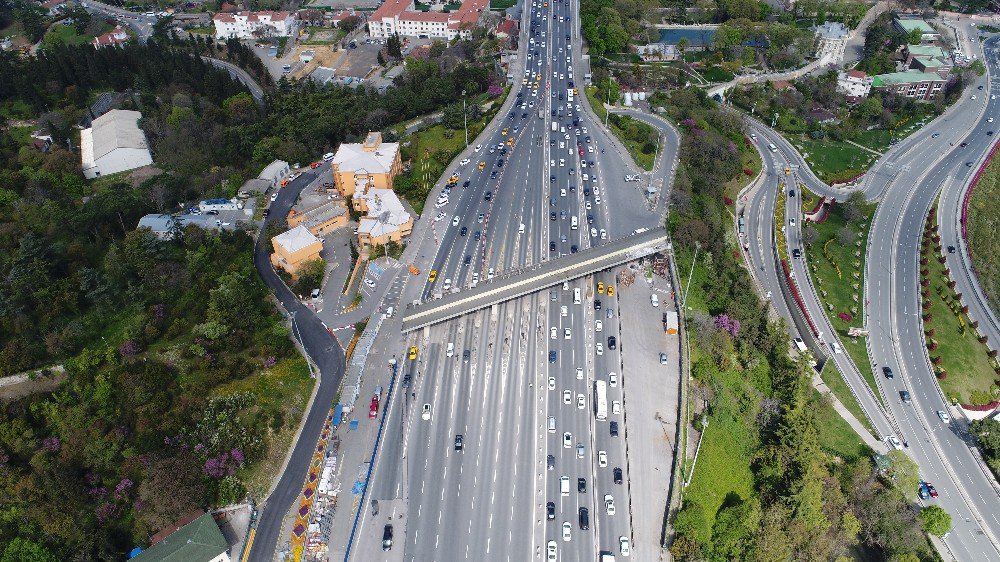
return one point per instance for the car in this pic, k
(893, 442)
(387, 537)
(599, 348)
(663, 358)
(597, 304)
(464, 231)
(550, 510)
(923, 492)
(463, 161)
(617, 472)
(887, 372)
(552, 216)
(932, 490)
(796, 253)
(550, 462)
(614, 429)
(479, 147)
(440, 216)
(581, 401)
(468, 259)
(552, 247)
(567, 531)
(551, 551)
(600, 288)
(964, 144)
(373, 408)
(370, 283)
(481, 218)
(579, 450)
(612, 342)
(612, 379)
(274, 196)
(567, 397)
(433, 275)
(552, 383)
(466, 355)
(624, 546)
(944, 416)
(553, 332)
(935, 135)
(581, 485)
(610, 313)
(567, 334)
(602, 459)
(904, 395)
(459, 443)
(553, 355)
(951, 249)
(425, 412)
(598, 326)
(616, 407)
(413, 352)
(573, 249)
(791, 222)
(609, 504)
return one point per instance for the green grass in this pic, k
(596, 103)
(834, 161)
(207, 30)
(982, 224)
(716, 74)
(835, 435)
(970, 372)
(59, 34)
(336, 35)
(645, 161)
(502, 4)
(723, 465)
(836, 271)
(835, 382)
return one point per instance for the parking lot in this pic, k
(360, 60)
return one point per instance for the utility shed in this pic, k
(670, 324)
(114, 143)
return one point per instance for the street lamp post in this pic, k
(465, 118)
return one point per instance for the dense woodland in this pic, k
(799, 501)
(176, 360)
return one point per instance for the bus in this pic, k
(601, 400)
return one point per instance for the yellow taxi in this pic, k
(546, 5)
(413, 352)
(510, 141)
(611, 291)
(453, 179)
(576, 92)
(482, 165)
(504, 132)
(600, 288)
(788, 171)
(433, 275)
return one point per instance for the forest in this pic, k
(179, 372)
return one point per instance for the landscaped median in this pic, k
(640, 139)
(965, 367)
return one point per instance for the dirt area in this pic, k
(325, 56)
(18, 386)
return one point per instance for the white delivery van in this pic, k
(389, 311)
(654, 300)
(575, 223)
(576, 296)
(771, 147)
(451, 349)
(520, 229)
(564, 485)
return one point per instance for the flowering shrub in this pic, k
(727, 324)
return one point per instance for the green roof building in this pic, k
(912, 84)
(927, 33)
(197, 541)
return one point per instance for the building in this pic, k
(854, 84)
(320, 219)
(657, 52)
(911, 83)
(372, 163)
(219, 205)
(294, 248)
(54, 7)
(927, 33)
(928, 58)
(831, 40)
(400, 17)
(251, 25)
(113, 38)
(822, 115)
(114, 143)
(163, 226)
(185, 20)
(275, 172)
(323, 75)
(195, 538)
(386, 219)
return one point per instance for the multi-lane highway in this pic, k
(938, 159)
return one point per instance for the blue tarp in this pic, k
(354, 425)
(338, 414)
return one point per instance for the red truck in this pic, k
(373, 410)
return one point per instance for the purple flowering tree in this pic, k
(128, 349)
(727, 324)
(51, 444)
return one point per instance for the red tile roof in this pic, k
(856, 74)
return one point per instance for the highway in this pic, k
(488, 501)
(906, 180)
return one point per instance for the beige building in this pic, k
(386, 219)
(372, 163)
(294, 248)
(320, 219)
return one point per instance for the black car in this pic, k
(552, 142)
(887, 372)
(590, 218)
(586, 191)
(465, 184)
(550, 462)
(597, 304)
(581, 485)
(612, 342)
(500, 163)
(567, 37)
(387, 538)
(552, 246)
(552, 216)
(904, 395)
(614, 429)
(464, 231)
(406, 380)
(796, 252)
(572, 188)
(550, 511)
(964, 144)
(488, 196)
(477, 235)
(267, 212)
(468, 259)
(791, 193)
(552, 178)
(524, 116)
(466, 355)
(584, 519)
(618, 475)
(951, 249)
(552, 356)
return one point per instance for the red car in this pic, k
(315, 165)
(373, 411)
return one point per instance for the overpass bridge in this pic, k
(543, 275)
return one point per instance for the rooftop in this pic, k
(911, 24)
(832, 30)
(273, 169)
(295, 239)
(115, 129)
(252, 16)
(907, 77)
(857, 74)
(926, 50)
(385, 212)
(200, 539)
(354, 156)
(324, 212)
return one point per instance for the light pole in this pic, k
(465, 118)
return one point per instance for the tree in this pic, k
(692, 522)
(809, 234)
(349, 24)
(310, 276)
(856, 207)
(21, 550)
(846, 236)
(452, 117)
(733, 529)
(870, 109)
(682, 45)
(904, 473)
(914, 37)
(394, 46)
(935, 520)
(173, 487)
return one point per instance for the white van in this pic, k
(451, 349)
(520, 229)
(771, 147)
(564, 485)
(552, 424)
(389, 311)
(575, 223)
(654, 300)
(576, 296)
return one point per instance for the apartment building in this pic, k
(372, 163)
(248, 25)
(294, 248)
(400, 17)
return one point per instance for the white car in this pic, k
(612, 379)
(551, 551)
(893, 442)
(370, 283)
(425, 413)
(590, 149)
(490, 273)
(563, 311)
(567, 440)
(624, 546)
(944, 416)
(567, 397)
(463, 161)
(440, 216)
(567, 334)
(616, 407)
(602, 459)
(593, 232)
(328, 156)
(598, 326)
(589, 206)
(609, 504)
(597, 199)
(604, 234)
(581, 401)
(553, 332)
(600, 348)
(579, 373)
(274, 197)
(552, 383)
(479, 147)
(454, 221)
(567, 531)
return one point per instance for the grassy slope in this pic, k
(983, 222)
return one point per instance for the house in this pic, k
(371, 163)
(927, 33)
(911, 83)
(657, 52)
(247, 25)
(386, 219)
(402, 18)
(506, 28)
(320, 219)
(854, 84)
(781, 85)
(310, 17)
(928, 58)
(41, 143)
(274, 172)
(114, 143)
(219, 205)
(113, 38)
(832, 30)
(195, 538)
(294, 248)
(323, 75)
(163, 226)
(54, 7)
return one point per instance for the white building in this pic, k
(274, 172)
(399, 17)
(854, 83)
(249, 25)
(114, 143)
(220, 205)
